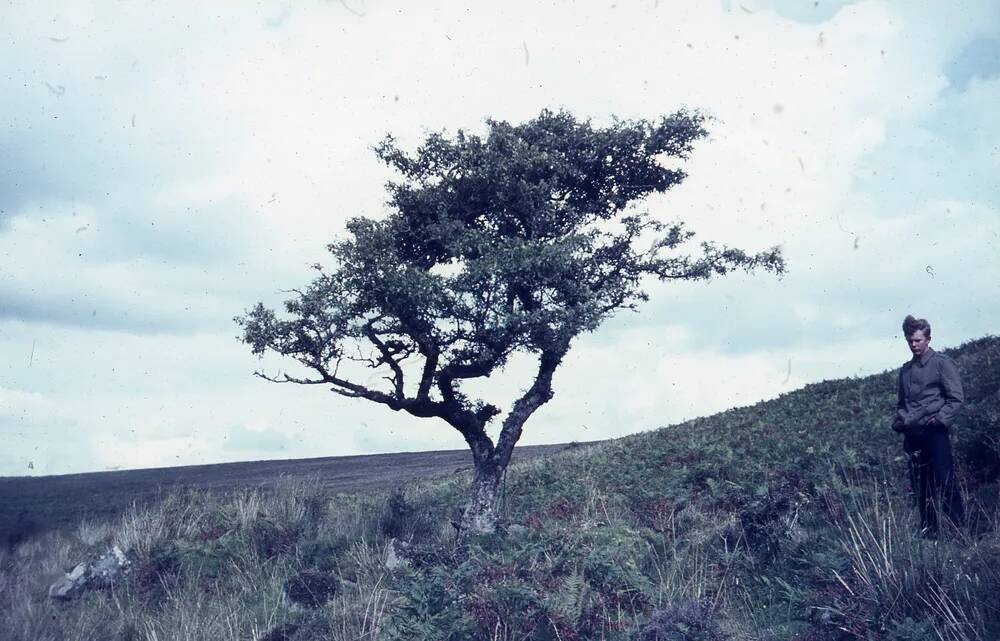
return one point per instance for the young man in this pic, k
(929, 398)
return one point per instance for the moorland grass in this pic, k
(789, 519)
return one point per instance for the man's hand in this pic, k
(898, 425)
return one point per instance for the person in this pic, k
(929, 399)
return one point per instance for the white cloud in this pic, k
(168, 167)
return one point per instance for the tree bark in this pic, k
(480, 515)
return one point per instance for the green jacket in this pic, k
(929, 386)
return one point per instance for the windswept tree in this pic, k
(518, 241)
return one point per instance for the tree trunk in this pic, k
(480, 515)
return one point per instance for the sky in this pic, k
(164, 166)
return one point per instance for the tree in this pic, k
(518, 241)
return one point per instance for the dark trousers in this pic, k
(932, 476)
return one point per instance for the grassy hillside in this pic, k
(790, 519)
(32, 505)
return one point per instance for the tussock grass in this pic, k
(893, 576)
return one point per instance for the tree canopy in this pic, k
(516, 241)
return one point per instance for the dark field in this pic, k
(31, 505)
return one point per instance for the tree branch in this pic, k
(388, 357)
(431, 355)
(285, 378)
(537, 395)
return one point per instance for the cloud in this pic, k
(816, 12)
(135, 451)
(66, 268)
(15, 404)
(166, 168)
(39, 437)
(979, 59)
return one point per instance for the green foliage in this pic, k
(555, 583)
(323, 554)
(398, 514)
(790, 519)
(911, 630)
(311, 588)
(685, 621)
(513, 217)
(428, 609)
(406, 520)
(518, 241)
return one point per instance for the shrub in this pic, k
(683, 621)
(402, 519)
(311, 588)
(398, 515)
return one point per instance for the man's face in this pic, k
(918, 342)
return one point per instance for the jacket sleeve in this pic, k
(901, 399)
(951, 389)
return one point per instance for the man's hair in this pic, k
(911, 325)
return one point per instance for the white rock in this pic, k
(394, 558)
(100, 572)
